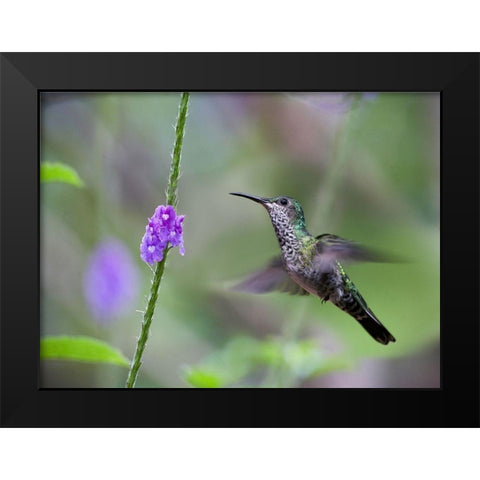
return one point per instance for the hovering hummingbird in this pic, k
(311, 264)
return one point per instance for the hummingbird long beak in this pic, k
(261, 200)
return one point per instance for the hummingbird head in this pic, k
(282, 209)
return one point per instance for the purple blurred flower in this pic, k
(327, 102)
(110, 281)
(369, 96)
(333, 102)
(164, 227)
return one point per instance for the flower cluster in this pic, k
(164, 227)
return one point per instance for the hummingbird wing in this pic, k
(273, 277)
(330, 248)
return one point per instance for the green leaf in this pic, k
(81, 349)
(59, 172)
(202, 378)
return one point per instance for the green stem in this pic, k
(147, 320)
(172, 189)
(172, 193)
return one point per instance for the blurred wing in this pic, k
(330, 248)
(273, 277)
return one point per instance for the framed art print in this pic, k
(319, 214)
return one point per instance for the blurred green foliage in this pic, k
(58, 172)
(243, 358)
(80, 349)
(365, 169)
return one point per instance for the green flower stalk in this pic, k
(163, 232)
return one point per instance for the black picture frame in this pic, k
(24, 404)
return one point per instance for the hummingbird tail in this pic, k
(357, 308)
(374, 327)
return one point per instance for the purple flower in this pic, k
(110, 281)
(164, 227)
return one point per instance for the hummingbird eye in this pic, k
(283, 201)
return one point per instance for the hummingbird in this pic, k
(311, 265)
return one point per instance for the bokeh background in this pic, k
(364, 166)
